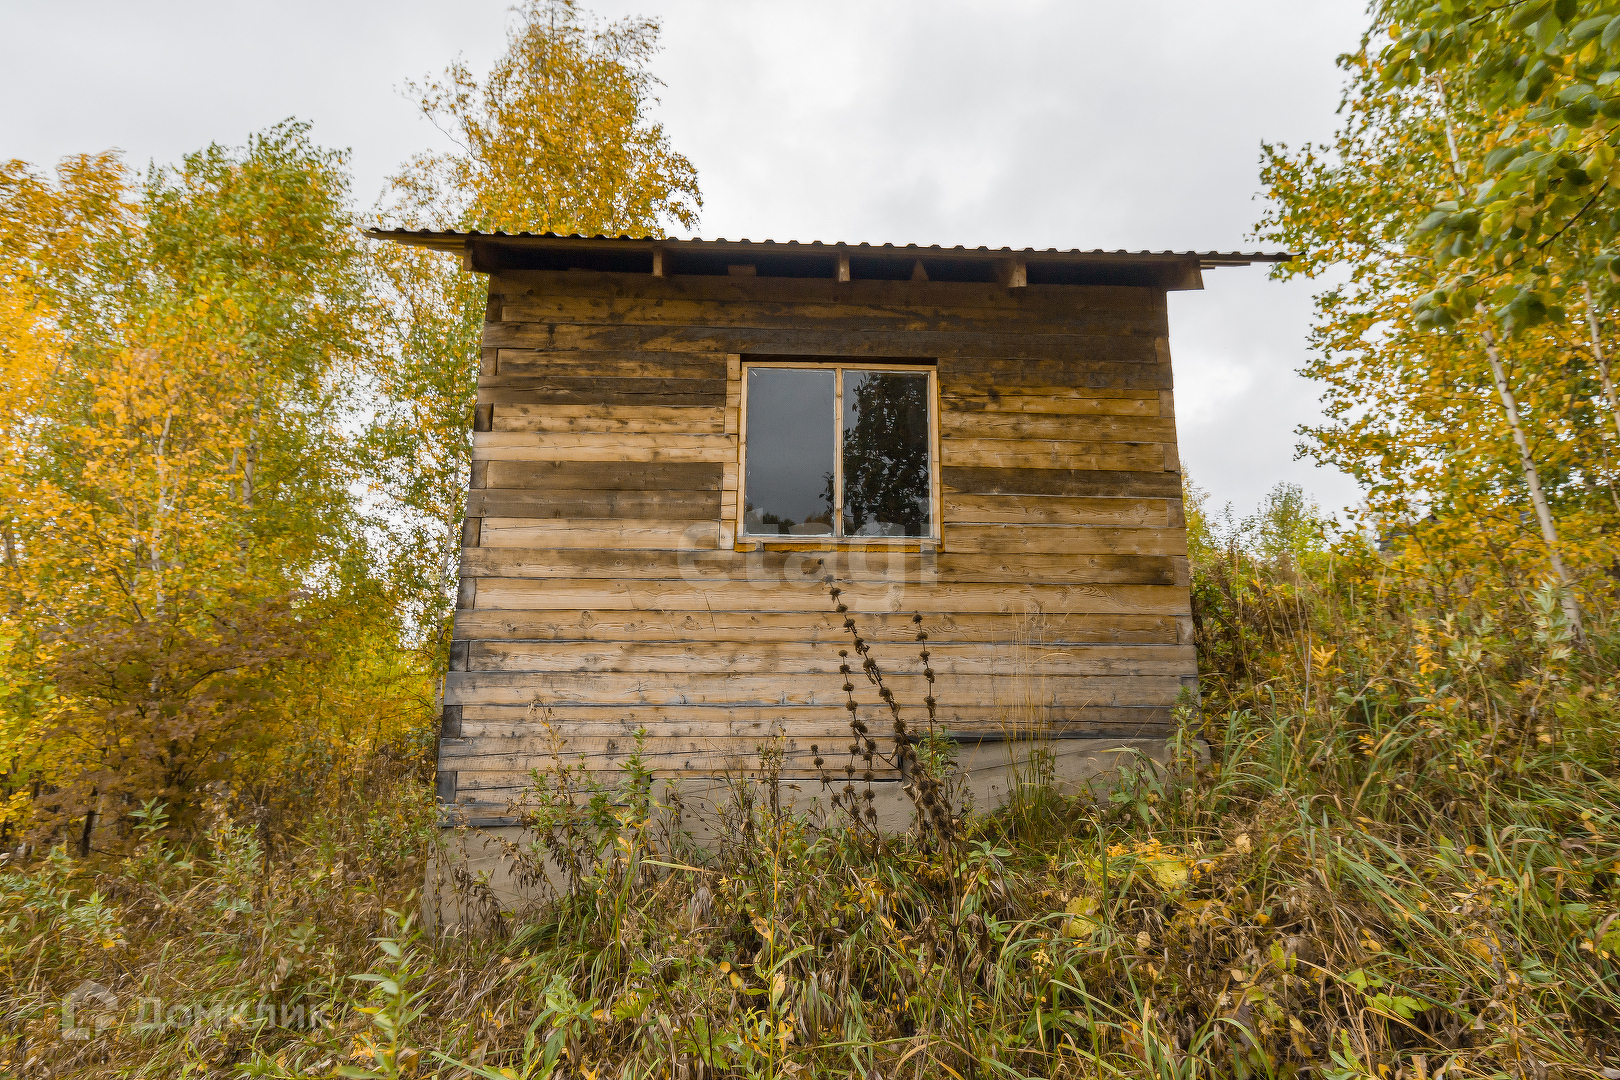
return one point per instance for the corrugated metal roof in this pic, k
(452, 240)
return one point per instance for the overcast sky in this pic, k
(1080, 124)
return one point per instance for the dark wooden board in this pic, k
(1128, 361)
(979, 481)
(573, 503)
(605, 475)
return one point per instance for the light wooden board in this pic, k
(984, 396)
(597, 533)
(1055, 510)
(1067, 427)
(1155, 483)
(1005, 540)
(794, 658)
(891, 629)
(616, 365)
(599, 446)
(637, 419)
(700, 596)
(564, 688)
(536, 725)
(1021, 454)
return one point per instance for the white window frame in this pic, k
(836, 538)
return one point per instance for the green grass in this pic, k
(1400, 860)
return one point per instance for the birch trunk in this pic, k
(1532, 475)
(1602, 361)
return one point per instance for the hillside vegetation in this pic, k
(1401, 858)
(233, 445)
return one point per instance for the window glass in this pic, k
(791, 451)
(885, 437)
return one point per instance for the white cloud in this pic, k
(1047, 124)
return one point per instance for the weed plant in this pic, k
(1399, 860)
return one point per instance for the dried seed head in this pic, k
(871, 747)
(843, 653)
(841, 609)
(867, 776)
(849, 624)
(850, 705)
(917, 618)
(849, 685)
(868, 795)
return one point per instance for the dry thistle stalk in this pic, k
(926, 792)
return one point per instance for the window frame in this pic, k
(836, 539)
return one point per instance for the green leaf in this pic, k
(1566, 9)
(1499, 157)
(1587, 29)
(1526, 15)
(1610, 33)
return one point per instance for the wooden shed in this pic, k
(677, 441)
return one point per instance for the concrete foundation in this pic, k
(987, 776)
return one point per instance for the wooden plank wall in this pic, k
(602, 591)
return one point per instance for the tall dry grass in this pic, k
(1401, 860)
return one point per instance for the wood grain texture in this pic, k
(1129, 362)
(698, 596)
(593, 390)
(663, 688)
(1083, 482)
(1044, 303)
(955, 424)
(1056, 510)
(603, 593)
(573, 503)
(1009, 540)
(616, 365)
(846, 314)
(639, 419)
(890, 628)
(605, 476)
(1050, 454)
(806, 569)
(969, 397)
(597, 533)
(599, 446)
(537, 722)
(798, 658)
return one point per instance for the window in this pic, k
(831, 450)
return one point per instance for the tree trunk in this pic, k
(1597, 352)
(1532, 477)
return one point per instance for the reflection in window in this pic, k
(791, 447)
(874, 424)
(885, 436)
